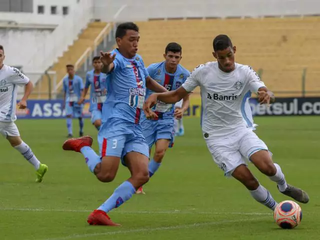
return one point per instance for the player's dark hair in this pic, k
(95, 58)
(1, 48)
(173, 47)
(69, 65)
(123, 27)
(221, 42)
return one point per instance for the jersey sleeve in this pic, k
(87, 81)
(254, 82)
(152, 69)
(193, 80)
(65, 87)
(81, 83)
(187, 74)
(18, 77)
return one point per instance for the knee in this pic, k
(251, 184)
(105, 177)
(159, 154)
(97, 123)
(268, 169)
(141, 178)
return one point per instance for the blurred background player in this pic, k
(160, 131)
(73, 87)
(98, 91)
(225, 87)
(120, 137)
(178, 122)
(10, 79)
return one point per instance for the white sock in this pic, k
(26, 151)
(279, 179)
(264, 197)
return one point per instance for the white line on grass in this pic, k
(136, 212)
(74, 236)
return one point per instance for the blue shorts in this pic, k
(95, 115)
(160, 129)
(74, 110)
(117, 138)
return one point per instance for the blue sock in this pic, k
(153, 167)
(69, 125)
(81, 124)
(92, 159)
(122, 193)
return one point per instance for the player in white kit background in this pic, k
(225, 88)
(10, 79)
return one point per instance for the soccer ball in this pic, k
(287, 214)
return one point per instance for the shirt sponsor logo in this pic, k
(220, 97)
(4, 89)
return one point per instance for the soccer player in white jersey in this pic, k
(10, 79)
(225, 87)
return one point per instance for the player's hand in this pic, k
(81, 101)
(22, 104)
(265, 97)
(107, 58)
(178, 113)
(148, 104)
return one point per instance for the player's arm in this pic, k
(257, 86)
(178, 112)
(265, 96)
(107, 59)
(27, 91)
(166, 97)
(154, 86)
(64, 93)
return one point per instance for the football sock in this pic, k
(264, 197)
(69, 125)
(92, 159)
(279, 179)
(153, 167)
(81, 124)
(26, 151)
(122, 193)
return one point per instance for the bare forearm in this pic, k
(168, 97)
(107, 68)
(27, 91)
(185, 104)
(154, 86)
(84, 92)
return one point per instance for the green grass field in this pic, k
(188, 198)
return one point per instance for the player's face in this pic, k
(225, 58)
(70, 71)
(128, 44)
(1, 57)
(172, 59)
(97, 65)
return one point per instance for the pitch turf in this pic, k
(189, 198)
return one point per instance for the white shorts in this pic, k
(9, 129)
(234, 150)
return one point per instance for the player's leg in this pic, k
(181, 127)
(161, 147)
(69, 112)
(226, 155)
(13, 136)
(257, 191)
(256, 150)
(77, 113)
(96, 119)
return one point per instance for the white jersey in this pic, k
(10, 78)
(224, 97)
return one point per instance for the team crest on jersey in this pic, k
(238, 85)
(3, 82)
(159, 71)
(137, 59)
(181, 76)
(178, 84)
